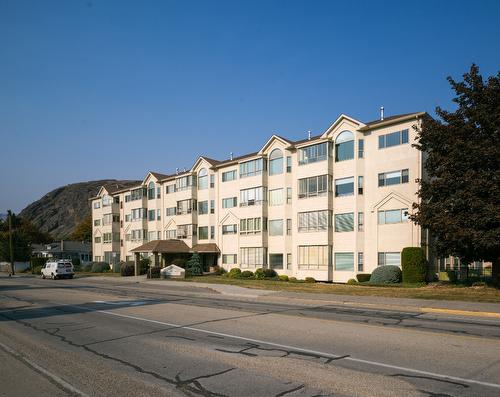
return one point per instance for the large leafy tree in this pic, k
(83, 231)
(459, 198)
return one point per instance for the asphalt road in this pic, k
(82, 337)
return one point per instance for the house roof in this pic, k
(63, 246)
(391, 120)
(176, 247)
(158, 176)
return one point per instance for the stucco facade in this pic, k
(327, 207)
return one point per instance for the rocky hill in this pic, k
(59, 211)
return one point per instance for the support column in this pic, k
(136, 263)
(156, 260)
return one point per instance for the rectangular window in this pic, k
(393, 178)
(393, 139)
(361, 148)
(251, 168)
(128, 217)
(229, 202)
(212, 232)
(229, 259)
(393, 216)
(185, 182)
(186, 206)
(158, 192)
(97, 204)
(288, 227)
(151, 215)
(107, 219)
(289, 195)
(203, 233)
(361, 221)
(170, 189)
(139, 213)
(158, 214)
(389, 258)
(250, 226)
(138, 194)
(344, 261)
(344, 187)
(314, 221)
(313, 153)
(253, 196)
(360, 185)
(185, 231)
(251, 257)
(344, 222)
(97, 240)
(128, 236)
(97, 222)
(288, 164)
(313, 186)
(139, 234)
(360, 262)
(170, 234)
(171, 211)
(229, 176)
(276, 261)
(212, 206)
(152, 236)
(289, 261)
(276, 227)
(212, 180)
(229, 229)
(202, 207)
(276, 197)
(313, 257)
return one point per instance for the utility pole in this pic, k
(10, 244)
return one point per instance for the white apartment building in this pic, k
(328, 207)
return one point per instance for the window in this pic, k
(276, 162)
(158, 192)
(229, 229)
(128, 198)
(152, 236)
(313, 153)
(229, 176)
(139, 213)
(344, 222)
(276, 197)
(393, 139)
(393, 178)
(138, 194)
(212, 180)
(151, 215)
(389, 258)
(202, 179)
(392, 216)
(251, 168)
(97, 258)
(170, 189)
(229, 202)
(97, 240)
(361, 221)
(158, 214)
(97, 204)
(344, 146)
(289, 261)
(212, 232)
(313, 257)
(250, 226)
(289, 195)
(253, 196)
(212, 206)
(186, 206)
(171, 211)
(139, 234)
(170, 234)
(360, 262)
(313, 186)
(97, 222)
(184, 182)
(185, 231)
(344, 187)
(276, 261)
(107, 201)
(344, 261)
(276, 227)
(252, 257)
(288, 227)
(361, 148)
(128, 236)
(314, 221)
(288, 164)
(151, 191)
(229, 259)
(128, 217)
(360, 185)
(203, 233)
(202, 207)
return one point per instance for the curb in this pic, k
(459, 312)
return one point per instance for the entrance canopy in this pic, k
(176, 247)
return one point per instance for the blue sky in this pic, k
(112, 89)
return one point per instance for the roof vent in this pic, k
(309, 135)
(381, 113)
(177, 171)
(184, 169)
(231, 155)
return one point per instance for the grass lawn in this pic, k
(430, 291)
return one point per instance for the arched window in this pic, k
(276, 162)
(203, 179)
(151, 191)
(344, 146)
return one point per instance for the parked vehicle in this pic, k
(58, 269)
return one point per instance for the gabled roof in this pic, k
(273, 138)
(210, 161)
(339, 119)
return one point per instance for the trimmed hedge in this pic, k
(283, 277)
(388, 274)
(247, 274)
(259, 274)
(363, 277)
(270, 273)
(127, 269)
(100, 267)
(414, 265)
(310, 280)
(234, 273)
(154, 272)
(292, 279)
(351, 281)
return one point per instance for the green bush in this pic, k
(270, 273)
(247, 274)
(37, 270)
(86, 267)
(388, 274)
(363, 277)
(76, 264)
(292, 279)
(127, 269)
(414, 265)
(37, 263)
(193, 266)
(259, 274)
(310, 280)
(220, 271)
(154, 272)
(117, 267)
(235, 272)
(144, 265)
(100, 267)
(351, 281)
(283, 277)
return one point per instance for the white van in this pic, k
(58, 269)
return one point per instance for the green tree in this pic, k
(83, 231)
(459, 201)
(193, 266)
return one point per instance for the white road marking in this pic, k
(288, 347)
(43, 371)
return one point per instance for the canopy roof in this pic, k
(176, 247)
